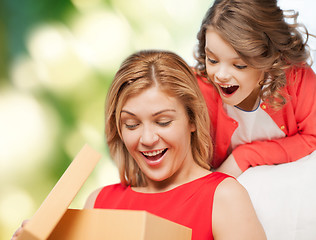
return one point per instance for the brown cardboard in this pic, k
(100, 224)
(58, 200)
(54, 221)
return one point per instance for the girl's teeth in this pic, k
(226, 86)
(229, 89)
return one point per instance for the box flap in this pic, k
(58, 200)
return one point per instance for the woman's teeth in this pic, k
(153, 153)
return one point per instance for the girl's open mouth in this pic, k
(228, 89)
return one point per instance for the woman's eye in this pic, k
(212, 61)
(131, 126)
(240, 66)
(164, 123)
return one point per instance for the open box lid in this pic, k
(58, 200)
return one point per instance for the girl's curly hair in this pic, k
(258, 32)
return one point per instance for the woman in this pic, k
(157, 130)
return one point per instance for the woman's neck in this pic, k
(174, 181)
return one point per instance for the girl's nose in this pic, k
(222, 74)
(148, 137)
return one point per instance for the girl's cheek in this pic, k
(210, 71)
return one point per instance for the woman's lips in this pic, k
(154, 157)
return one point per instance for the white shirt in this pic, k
(254, 125)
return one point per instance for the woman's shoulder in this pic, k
(106, 190)
(233, 209)
(91, 198)
(230, 196)
(229, 188)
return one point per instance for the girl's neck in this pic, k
(251, 102)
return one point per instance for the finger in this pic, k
(19, 230)
(25, 222)
(16, 233)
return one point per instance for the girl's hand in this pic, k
(18, 231)
(230, 167)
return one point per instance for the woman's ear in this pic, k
(192, 127)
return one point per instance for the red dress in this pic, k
(190, 204)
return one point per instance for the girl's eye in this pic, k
(164, 123)
(240, 66)
(212, 61)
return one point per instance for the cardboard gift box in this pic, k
(100, 224)
(54, 221)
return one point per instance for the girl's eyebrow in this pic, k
(155, 114)
(210, 52)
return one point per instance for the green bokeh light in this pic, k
(58, 58)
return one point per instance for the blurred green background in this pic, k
(57, 59)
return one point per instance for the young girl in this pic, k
(157, 130)
(261, 93)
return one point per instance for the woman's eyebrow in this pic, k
(154, 114)
(163, 111)
(125, 111)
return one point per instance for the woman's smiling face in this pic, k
(157, 133)
(237, 83)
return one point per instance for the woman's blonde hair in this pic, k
(173, 76)
(258, 32)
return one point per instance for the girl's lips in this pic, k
(227, 89)
(153, 158)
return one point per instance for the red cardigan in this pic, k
(297, 119)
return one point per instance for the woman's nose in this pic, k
(149, 137)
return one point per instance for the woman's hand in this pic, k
(230, 167)
(19, 230)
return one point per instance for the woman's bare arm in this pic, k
(234, 217)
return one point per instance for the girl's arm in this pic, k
(230, 167)
(234, 217)
(298, 121)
